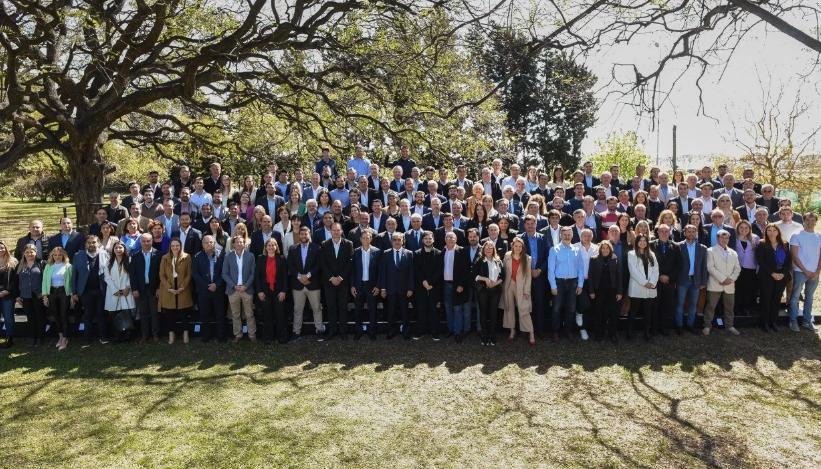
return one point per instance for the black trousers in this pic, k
(397, 306)
(336, 298)
(606, 312)
(36, 315)
(584, 305)
(665, 307)
(149, 319)
(273, 317)
(174, 320)
(426, 317)
(93, 302)
(212, 313)
(747, 288)
(364, 298)
(58, 303)
(771, 292)
(645, 307)
(488, 299)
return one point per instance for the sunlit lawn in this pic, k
(748, 401)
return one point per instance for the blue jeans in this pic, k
(453, 313)
(800, 282)
(7, 308)
(687, 291)
(564, 302)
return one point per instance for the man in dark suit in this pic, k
(428, 275)
(324, 232)
(432, 220)
(710, 232)
(536, 248)
(191, 238)
(668, 255)
(364, 223)
(447, 227)
(692, 277)
(365, 282)
(413, 237)
(747, 209)
(303, 272)
(101, 215)
(590, 181)
(335, 265)
(379, 218)
(36, 237)
(384, 240)
(262, 235)
(396, 283)
(489, 185)
(270, 201)
(210, 289)
(502, 245)
(212, 183)
(768, 199)
(736, 195)
(311, 218)
(70, 240)
(144, 275)
(90, 287)
(684, 202)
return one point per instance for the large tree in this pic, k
(80, 73)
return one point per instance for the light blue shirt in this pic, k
(147, 257)
(272, 205)
(533, 242)
(304, 251)
(360, 165)
(341, 195)
(714, 235)
(691, 253)
(64, 239)
(565, 262)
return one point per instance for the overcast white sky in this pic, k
(771, 55)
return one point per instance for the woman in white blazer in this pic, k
(118, 294)
(644, 275)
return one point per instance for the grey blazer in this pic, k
(230, 273)
(700, 269)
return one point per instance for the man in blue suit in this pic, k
(692, 277)
(210, 289)
(70, 240)
(396, 284)
(144, 274)
(90, 286)
(536, 248)
(190, 237)
(365, 282)
(708, 236)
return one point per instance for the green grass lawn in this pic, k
(748, 401)
(16, 215)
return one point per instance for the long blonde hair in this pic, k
(55, 250)
(9, 262)
(524, 259)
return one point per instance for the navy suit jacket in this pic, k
(80, 264)
(705, 235)
(382, 221)
(700, 268)
(396, 279)
(373, 267)
(311, 266)
(76, 243)
(193, 242)
(540, 256)
(410, 241)
(200, 271)
(136, 272)
(257, 244)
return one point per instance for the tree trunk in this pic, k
(86, 171)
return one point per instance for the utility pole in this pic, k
(675, 166)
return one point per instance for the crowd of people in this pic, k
(542, 255)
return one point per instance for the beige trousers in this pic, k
(299, 306)
(728, 299)
(239, 303)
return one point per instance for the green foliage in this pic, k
(622, 149)
(548, 100)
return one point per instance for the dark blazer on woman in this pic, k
(282, 275)
(765, 255)
(594, 274)
(480, 269)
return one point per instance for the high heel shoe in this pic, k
(532, 341)
(511, 338)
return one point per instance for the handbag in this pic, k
(124, 318)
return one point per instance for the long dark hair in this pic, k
(647, 257)
(113, 258)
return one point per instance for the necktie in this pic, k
(396, 258)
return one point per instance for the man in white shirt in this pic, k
(786, 224)
(805, 247)
(238, 274)
(199, 196)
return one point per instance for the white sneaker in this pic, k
(809, 326)
(734, 331)
(794, 326)
(706, 331)
(584, 334)
(579, 319)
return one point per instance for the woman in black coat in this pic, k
(272, 287)
(774, 271)
(489, 274)
(605, 286)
